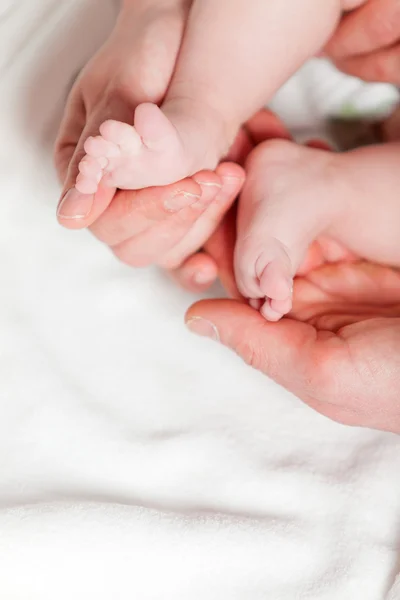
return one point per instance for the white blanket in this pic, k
(136, 460)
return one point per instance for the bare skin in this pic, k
(198, 119)
(339, 348)
(294, 194)
(226, 53)
(367, 42)
(333, 283)
(131, 223)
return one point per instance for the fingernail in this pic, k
(204, 328)
(75, 205)
(180, 200)
(209, 183)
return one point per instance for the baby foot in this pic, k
(156, 151)
(287, 201)
(108, 87)
(148, 154)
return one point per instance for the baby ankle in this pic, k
(200, 116)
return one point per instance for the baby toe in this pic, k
(87, 185)
(270, 313)
(276, 281)
(122, 134)
(274, 310)
(282, 306)
(90, 167)
(98, 147)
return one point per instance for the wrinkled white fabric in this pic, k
(136, 460)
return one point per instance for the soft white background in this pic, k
(137, 461)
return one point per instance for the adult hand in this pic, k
(154, 226)
(339, 351)
(367, 42)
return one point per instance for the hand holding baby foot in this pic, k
(132, 223)
(339, 351)
(149, 153)
(133, 66)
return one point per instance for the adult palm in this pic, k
(339, 350)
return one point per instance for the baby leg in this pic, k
(370, 183)
(234, 57)
(294, 194)
(291, 195)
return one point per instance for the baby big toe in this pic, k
(123, 135)
(274, 310)
(276, 281)
(90, 167)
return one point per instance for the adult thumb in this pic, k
(76, 210)
(283, 351)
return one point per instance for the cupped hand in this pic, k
(339, 350)
(367, 42)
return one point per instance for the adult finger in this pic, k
(322, 251)
(374, 26)
(221, 247)
(76, 210)
(232, 178)
(147, 248)
(135, 212)
(382, 66)
(286, 352)
(70, 131)
(265, 125)
(202, 269)
(361, 282)
(316, 367)
(197, 273)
